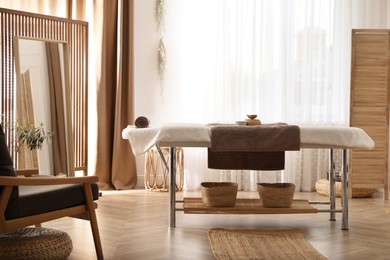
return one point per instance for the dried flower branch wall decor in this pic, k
(161, 54)
(160, 13)
(161, 62)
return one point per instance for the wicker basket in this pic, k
(219, 194)
(322, 187)
(276, 195)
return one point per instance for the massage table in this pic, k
(198, 135)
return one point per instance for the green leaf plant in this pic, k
(29, 135)
(32, 136)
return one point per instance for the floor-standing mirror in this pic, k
(63, 34)
(43, 101)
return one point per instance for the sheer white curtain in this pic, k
(284, 60)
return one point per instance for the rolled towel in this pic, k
(142, 122)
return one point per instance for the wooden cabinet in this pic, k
(369, 107)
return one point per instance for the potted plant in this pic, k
(32, 136)
(29, 135)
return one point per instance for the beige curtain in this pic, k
(115, 164)
(110, 78)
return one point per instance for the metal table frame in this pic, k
(332, 193)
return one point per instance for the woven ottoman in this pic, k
(35, 243)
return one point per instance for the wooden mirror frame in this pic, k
(75, 33)
(43, 97)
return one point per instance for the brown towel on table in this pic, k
(267, 137)
(261, 161)
(252, 147)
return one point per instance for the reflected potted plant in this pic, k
(29, 135)
(32, 136)
(26, 141)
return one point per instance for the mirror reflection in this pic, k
(42, 101)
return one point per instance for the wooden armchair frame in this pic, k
(86, 211)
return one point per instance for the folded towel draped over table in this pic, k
(259, 147)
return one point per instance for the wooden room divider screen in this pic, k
(369, 107)
(75, 33)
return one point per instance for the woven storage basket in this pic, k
(276, 195)
(322, 187)
(219, 194)
(35, 243)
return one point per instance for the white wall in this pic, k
(150, 99)
(174, 102)
(146, 87)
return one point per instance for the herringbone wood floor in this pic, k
(134, 225)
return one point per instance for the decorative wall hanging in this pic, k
(161, 63)
(160, 13)
(161, 54)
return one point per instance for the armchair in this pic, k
(31, 201)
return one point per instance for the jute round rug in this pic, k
(261, 244)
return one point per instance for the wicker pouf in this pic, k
(322, 187)
(35, 243)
